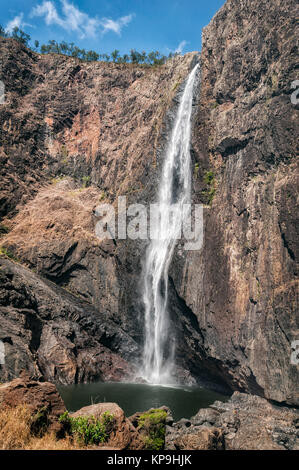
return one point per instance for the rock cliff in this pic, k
(243, 285)
(75, 134)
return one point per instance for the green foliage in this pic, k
(57, 179)
(88, 429)
(153, 424)
(196, 170)
(3, 229)
(209, 179)
(7, 253)
(71, 50)
(85, 181)
(115, 55)
(17, 34)
(3, 33)
(104, 195)
(39, 421)
(64, 154)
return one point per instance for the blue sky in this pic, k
(164, 25)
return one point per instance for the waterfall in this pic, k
(174, 192)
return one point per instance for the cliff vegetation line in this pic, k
(71, 50)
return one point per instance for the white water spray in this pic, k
(174, 192)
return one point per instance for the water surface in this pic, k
(184, 402)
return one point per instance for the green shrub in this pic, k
(209, 179)
(7, 253)
(3, 229)
(153, 425)
(85, 181)
(88, 429)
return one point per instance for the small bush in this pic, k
(209, 179)
(7, 253)
(86, 181)
(3, 229)
(153, 424)
(88, 429)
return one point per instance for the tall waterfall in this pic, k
(174, 192)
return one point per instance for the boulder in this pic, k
(245, 422)
(204, 439)
(42, 398)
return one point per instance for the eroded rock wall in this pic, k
(243, 285)
(74, 135)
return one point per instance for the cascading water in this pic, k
(174, 192)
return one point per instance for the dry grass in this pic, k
(58, 212)
(15, 433)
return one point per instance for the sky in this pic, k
(163, 25)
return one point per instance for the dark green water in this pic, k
(184, 402)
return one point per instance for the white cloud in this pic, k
(115, 26)
(75, 20)
(16, 22)
(181, 46)
(48, 10)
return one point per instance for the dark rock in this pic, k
(203, 439)
(242, 287)
(55, 334)
(205, 415)
(245, 422)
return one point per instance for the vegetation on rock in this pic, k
(153, 424)
(88, 429)
(71, 50)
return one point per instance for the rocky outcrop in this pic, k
(245, 422)
(242, 287)
(41, 398)
(73, 135)
(51, 333)
(95, 131)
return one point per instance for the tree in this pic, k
(92, 56)
(20, 36)
(36, 45)
(114, 55)
(3, 33)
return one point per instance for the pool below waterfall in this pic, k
(184, 401)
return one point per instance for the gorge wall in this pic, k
(74, 134)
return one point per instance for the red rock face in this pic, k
(74, 134)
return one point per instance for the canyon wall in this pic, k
(243, 285)
(76, 134)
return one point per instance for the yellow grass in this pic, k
(15, 433)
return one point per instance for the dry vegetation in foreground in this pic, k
(15, 433)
